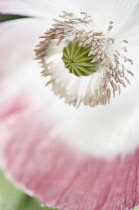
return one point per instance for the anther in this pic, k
(92, 66)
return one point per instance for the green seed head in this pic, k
(77, 61)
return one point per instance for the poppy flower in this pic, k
(72, 143)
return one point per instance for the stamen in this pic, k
(84, 66)
(110, 27)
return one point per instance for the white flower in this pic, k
(85, 158)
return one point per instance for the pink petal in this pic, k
(60, 176)
(13, 105)
(17, 42)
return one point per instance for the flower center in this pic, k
(77, 60)
(91, 68)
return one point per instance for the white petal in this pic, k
(130, 29)
(101, 131)
(41, 8)
(17, 42)
(110, 10)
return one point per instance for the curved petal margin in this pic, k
(60, 176)
(36, 8)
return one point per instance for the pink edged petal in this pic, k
(17, 42)
(60, 176)
(40, 162)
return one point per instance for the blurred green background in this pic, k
(13, 199)
(10, 17)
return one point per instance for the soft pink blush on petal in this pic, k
(13, 105)
(60, 176)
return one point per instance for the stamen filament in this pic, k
(92, 68)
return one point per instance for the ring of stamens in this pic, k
(103, 81)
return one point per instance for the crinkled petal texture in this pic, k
(37, 133)
(60, 176)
